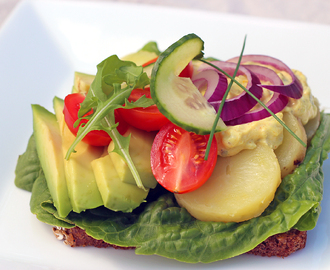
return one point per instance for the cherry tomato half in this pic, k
(186, 72)
(148, 119)
(177, 159)
(96, 137)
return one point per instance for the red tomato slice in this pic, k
(177, 159)
(148, 119)
(150, 62)
(96, 137)
(186, 72)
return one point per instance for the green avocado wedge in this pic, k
(139, 148)
(80, 179)
(49, 148)
(177, 97)
(116, 195)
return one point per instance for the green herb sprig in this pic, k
(222, 103)
(114, 81)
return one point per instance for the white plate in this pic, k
(43, 43)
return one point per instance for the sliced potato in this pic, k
(291, 152)
(312, 125)
(240, 187)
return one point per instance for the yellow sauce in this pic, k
(267, 131)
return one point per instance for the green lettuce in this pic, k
(28, 167)
(161, 227)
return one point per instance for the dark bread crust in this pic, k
(280, 245)
(76, 237)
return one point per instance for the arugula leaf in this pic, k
(141, 102)
(114, 81)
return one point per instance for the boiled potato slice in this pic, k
(291, 153)
(312, 125)
(240, 187)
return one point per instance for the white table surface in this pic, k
(312, 11)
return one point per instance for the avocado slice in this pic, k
(81, 183)
(82, 82)
(141, 57)
(116, 195)
(139, 150)
(49, 147)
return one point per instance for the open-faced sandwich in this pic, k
(186, 157)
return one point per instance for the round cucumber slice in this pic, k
(178, 98)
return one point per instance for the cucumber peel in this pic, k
(178, 98)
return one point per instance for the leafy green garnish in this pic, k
(232, 79)
(114, 81)
(28, 167)
(161, 227)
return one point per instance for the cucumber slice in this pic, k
(178, 98)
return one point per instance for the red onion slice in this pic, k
(265, 74)
(276, 104)
(293, 90)
(241, 104)
(216, 84)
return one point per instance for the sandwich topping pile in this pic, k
(181, 156)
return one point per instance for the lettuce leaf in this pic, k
(161, 227)
(28, 167)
